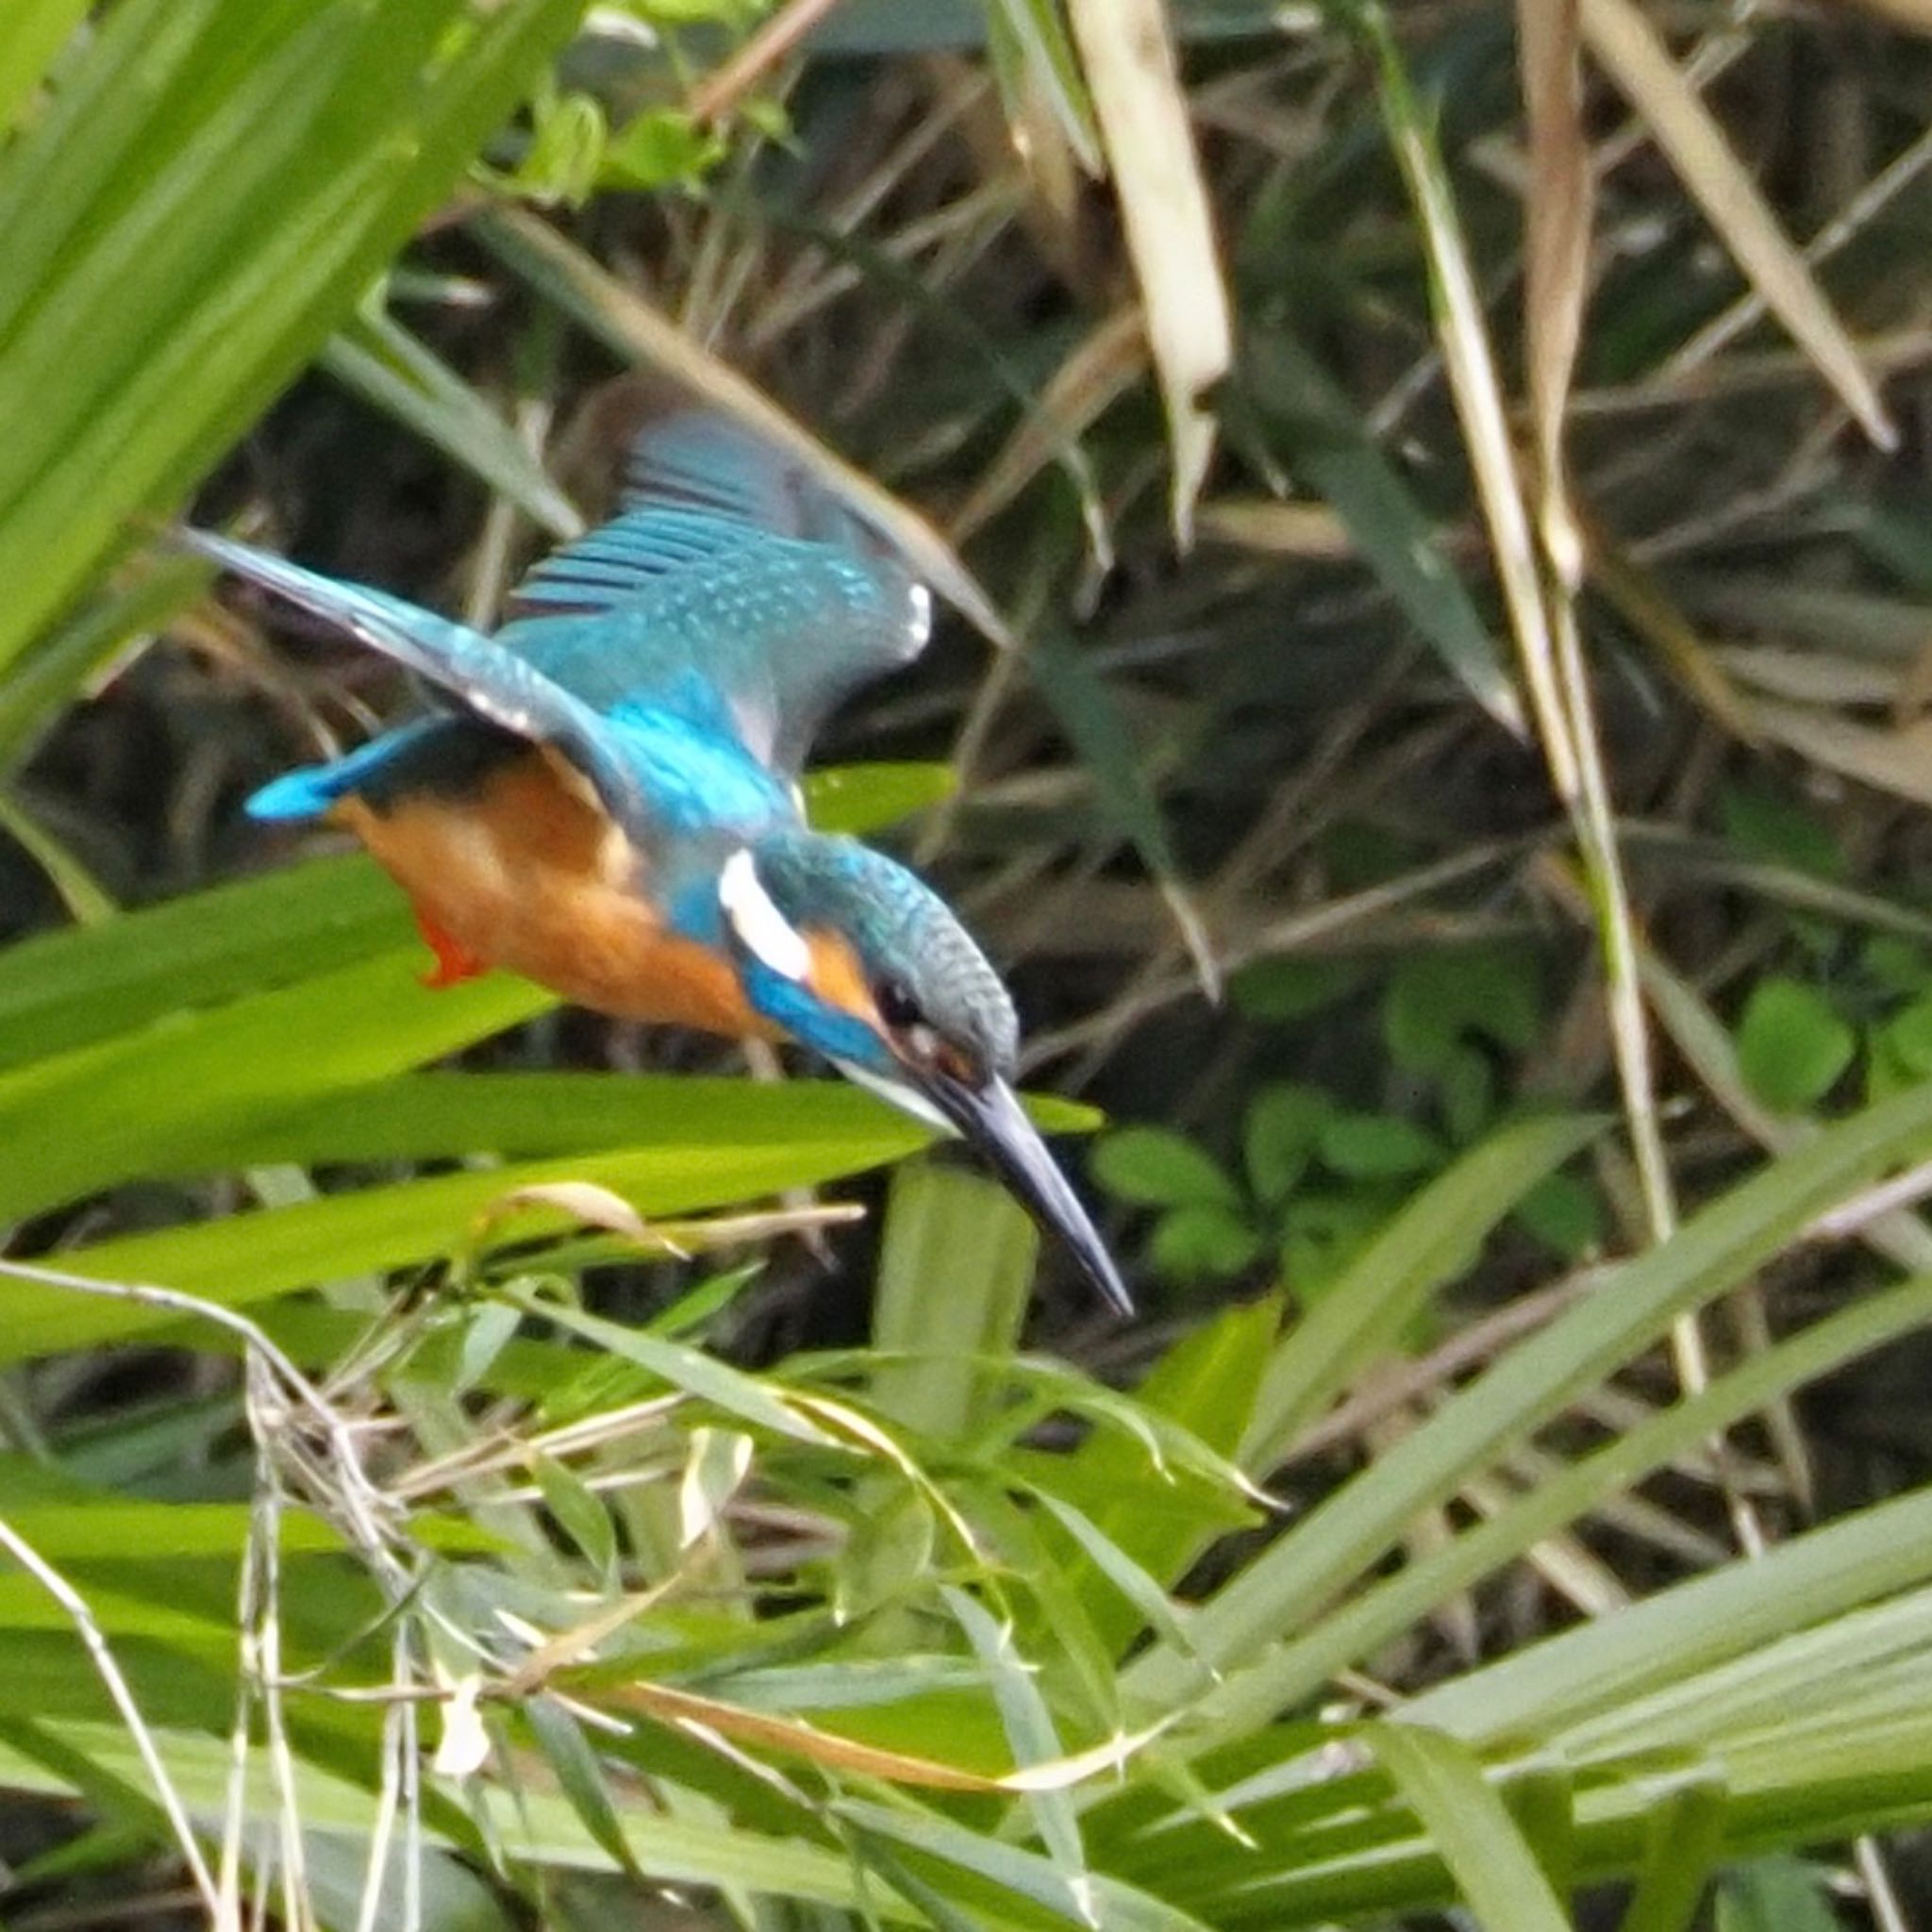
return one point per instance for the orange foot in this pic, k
(453, 963)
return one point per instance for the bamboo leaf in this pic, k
(1478, 1839)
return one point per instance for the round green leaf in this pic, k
(1291, 987)
(1909, 1035)
(1282, 1126)
(1791, 1046)
(1156, 1167)
(1202, 1243)
(1565, 1214)
(1370, 1146)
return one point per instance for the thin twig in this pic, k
(725, 87)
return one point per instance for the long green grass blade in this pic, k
(1478, 1839)
(178, 248)
(1301, 1572)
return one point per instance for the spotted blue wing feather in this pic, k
(732, 586)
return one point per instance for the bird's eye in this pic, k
(897, 1007)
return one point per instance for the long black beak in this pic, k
(992, 1123)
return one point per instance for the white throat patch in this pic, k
(766, 932)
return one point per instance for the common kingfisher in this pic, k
(609, 802)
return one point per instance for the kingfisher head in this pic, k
(852, 955)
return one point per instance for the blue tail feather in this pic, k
(415, 752)
(296, 796)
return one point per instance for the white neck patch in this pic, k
(766, 932)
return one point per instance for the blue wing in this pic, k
(733, 587)
(651, 770)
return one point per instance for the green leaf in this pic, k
(65, 989)
(1029, 1728)
(1150, 1604)
(1791, 1046)
(540, 1826)
(205, 200)
(35, 29)
(1781, 1894)
(1329, 1548)
(40, 684)
(1157, 1167)
(660, 148)
(702, 1376)
(958, 1260)
(564, 158)
(1206, 1383)
(861, 799)
(121, 1103)
(1466, 1090)
(251, 1258)
(1899, 965)
(1376, 1146)
(1440, 994)
(1909, 1035)
(1282, 1126)
(581, 1517)
(1774, 826)
(1032, 52)
(1565, 1213)
(579, 1777)
(1292, 986)
(1202, 1243)
(1471, 1829)
(1683, 1830)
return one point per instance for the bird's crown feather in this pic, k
(910, 945)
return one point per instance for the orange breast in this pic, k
(530, 874)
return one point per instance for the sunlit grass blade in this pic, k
(325, 153)
(35, 31)
(1477, 1839)
(1428, 1243)
(1247, 1619)
(330, 1032)
(256, 1257)
(66, 990)
(955, 1269)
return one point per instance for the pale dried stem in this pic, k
(120, 1692)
